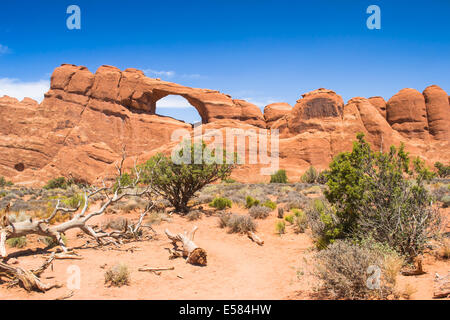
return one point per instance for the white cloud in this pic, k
(151, 72)
(173, 102)
(21, 89)
(171, 74)
(4, 49)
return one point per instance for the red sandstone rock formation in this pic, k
(86, 119)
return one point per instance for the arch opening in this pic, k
(179, 108)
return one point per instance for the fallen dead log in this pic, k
(254, 237)
(194, 254)
(28, 279)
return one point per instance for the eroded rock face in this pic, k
(380, 104)
(275, 111)
(406, 112)
(438, 112)
(86, 120)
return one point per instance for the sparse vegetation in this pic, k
(118, 275)
(250, 202)
(221, 203)
(237, 223)
(280, 227)
(270, 204)
(57, 183)
(310, 176)
(194, 215)
(443, 171)
(4, 182)
(279, 177)
(345, 271)
(19, 242)
(259, 212)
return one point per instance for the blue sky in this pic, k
(262, 51)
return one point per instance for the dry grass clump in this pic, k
(444, 248)
(194, 215)
(119, 223)
(349, 271)
(280, 227)
(118, 275)
(237, 223)
(259, 212)
(19, 242)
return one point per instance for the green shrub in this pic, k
(179, 181)
(270, 204)
(4, 182)
(118, 275)
(250, 202)
(289, 218)
(279, 177)
(310, 176)
(259, 212)
(57, 183)
(19, 242)
(382, 195)
(221, 203)
(280, 227)
(322, 178)
(443, 171)
(299, 220)
(228, 180)
(75, 201)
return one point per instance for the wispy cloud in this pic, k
(171, 74)
(150, 72)
(260, 102)
(21, 89)
(4, 49)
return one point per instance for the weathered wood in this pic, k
(416, 272)
(194, 254)
(29, 280)
(254, 237)
(150, 269)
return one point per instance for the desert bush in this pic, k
(228, 180)
(344, 269)
(300, 221)
(280, 212)
(289, 218)
(178, 183)
(194, 215)
(4, 182)
(237, 223)
(294, 200)
(310, 176)
(270, 204)
(221, 203)
(118, 275)
(250, 202)
(322, 178)
(323, 222)
(280, 227)
(19, 242)
(119, 223)
(51, 242)
(443, 171)
(75, 201)
(446, 201)
(382, 195)
(57, 183)
(444, 248)
(279, 177)
(259, 212)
